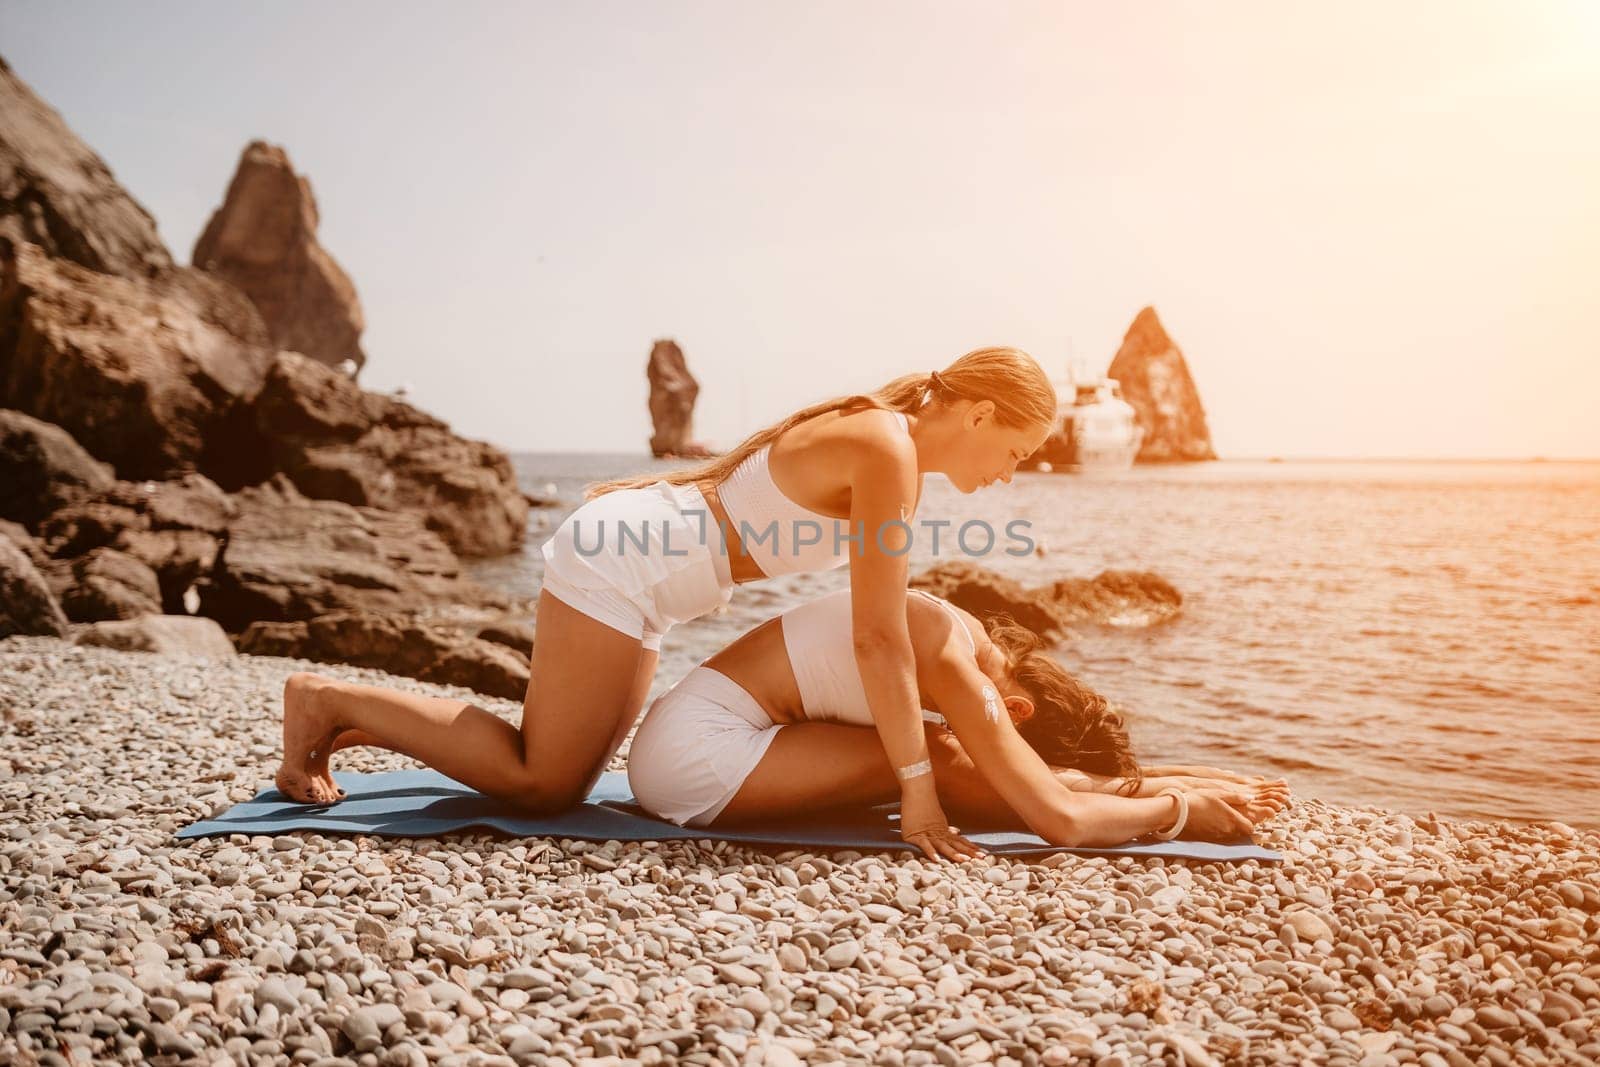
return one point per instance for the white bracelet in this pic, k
(914, 770)
(1183, 813)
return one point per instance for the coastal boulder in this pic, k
(55, 192)
(335, 441)
(263, 239)
(27, 604)
(672, 395)
(431, 650)
(987, 594)
(168, 635)
(287, 558)
(1155, 379)
(139, 372)
(107, 584)
(1110, 598)
(42, 468)
(172, 527)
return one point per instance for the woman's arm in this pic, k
(1020, 776)
(883, 495)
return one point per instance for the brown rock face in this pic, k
(290, 559)
(672, 395)
(430, 650)
(263, 239)
(42, 468)
(1111, 598)
(27, 603)
(1155, 380)
(107, 584)
(337, 442)
(56, 193)
(139, 372)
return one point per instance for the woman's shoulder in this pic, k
(856, 427)
(932, 621)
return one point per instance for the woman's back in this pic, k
(821, 653)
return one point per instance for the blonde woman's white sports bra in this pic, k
(780, 535)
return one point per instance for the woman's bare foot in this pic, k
(308, 734)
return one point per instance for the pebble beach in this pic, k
(1382, 939)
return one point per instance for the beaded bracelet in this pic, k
(1183, 813)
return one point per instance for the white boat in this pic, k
(1095, 429)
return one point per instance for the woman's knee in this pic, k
(546, 798)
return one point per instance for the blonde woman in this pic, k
(643, 554)
(778, 723)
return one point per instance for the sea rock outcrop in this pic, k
(400, 643)
(1111, 598)
(263, 239)
(55, 192)
(288, 558)
(27, 603)
(170, 635)
(139, 372)
(672, 395)
(42, 468)
(335, 441)
(1155, 379)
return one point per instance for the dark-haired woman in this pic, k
(774, 724)
(837, 483)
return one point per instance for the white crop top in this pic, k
(817, 636)
(780, 535)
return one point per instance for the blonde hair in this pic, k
(1008, 377)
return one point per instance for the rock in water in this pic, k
(263, 239)
(672, 395)
(56, 193)
(1155, 380)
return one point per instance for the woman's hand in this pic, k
(1217, 817)
(923, 824)
(1266, 798)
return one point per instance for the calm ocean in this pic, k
(1419, 636)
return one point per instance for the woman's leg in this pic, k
(587, 686)
(814, 764)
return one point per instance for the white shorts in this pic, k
(697, 744)
(640, 560)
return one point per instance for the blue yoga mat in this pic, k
(424, 803)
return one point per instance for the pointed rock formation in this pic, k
(263, 239)
(56, 193)
(1155, 380)
(672, 395)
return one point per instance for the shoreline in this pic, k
(1383, 938)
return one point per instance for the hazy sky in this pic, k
(1372, 227)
